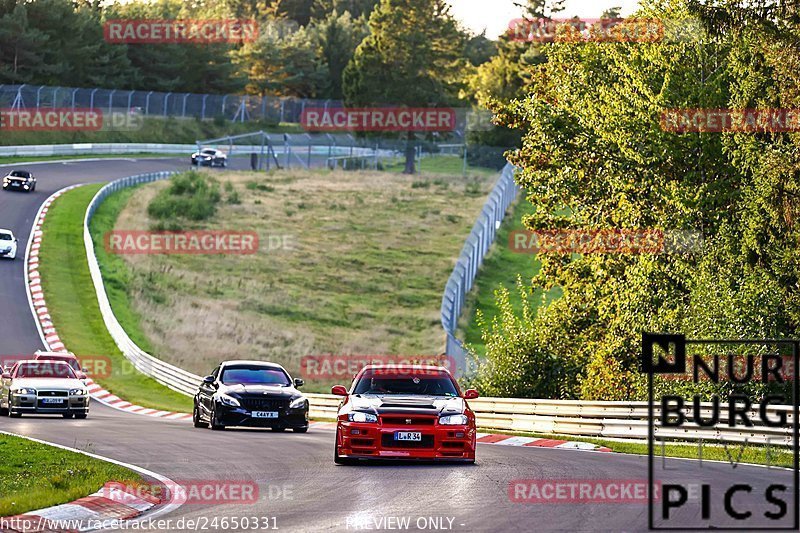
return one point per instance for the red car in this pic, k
(404, 412)
(66, 357)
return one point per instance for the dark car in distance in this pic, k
(19, 180)
(253, 394)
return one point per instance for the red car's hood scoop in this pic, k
(427, 405)
(408, 402)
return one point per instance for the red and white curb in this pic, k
(108, 504)
(511, 440)
(47, 329)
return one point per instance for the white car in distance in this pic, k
(8, 244)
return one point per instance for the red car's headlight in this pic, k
(454, 420)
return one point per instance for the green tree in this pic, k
(412, 57)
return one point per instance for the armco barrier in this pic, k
(622, 420)
(475, 249)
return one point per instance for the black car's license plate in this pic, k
(413, 436)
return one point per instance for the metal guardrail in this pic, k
(472, 254)
(623, 420)
(169, 375)
(95, 148)
(618, 420)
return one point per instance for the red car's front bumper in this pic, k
(377, 441)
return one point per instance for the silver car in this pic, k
(43, 387)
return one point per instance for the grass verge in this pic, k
(439, 164)
(359, 276)
(34, 475)
(72, 303)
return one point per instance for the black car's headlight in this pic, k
(453, 420)
(229, 400)
(298, 403)
(358, 416)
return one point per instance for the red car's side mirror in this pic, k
(338, 390)
(470, 394)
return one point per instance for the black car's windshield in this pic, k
(209, 152)
(426, 384)
(6, 237)
(19, 174)
(254, 375)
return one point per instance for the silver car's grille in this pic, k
(52, 393)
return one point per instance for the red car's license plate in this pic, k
(414, 436)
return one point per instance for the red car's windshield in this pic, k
(76, 366)
(426, 383)
(45, 369)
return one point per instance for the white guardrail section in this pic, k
(33, 150)
(624, 420)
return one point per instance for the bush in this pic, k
(190, 195)
(516, 364)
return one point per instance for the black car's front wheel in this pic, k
(215, 425)
(300, 430)
(198, 422)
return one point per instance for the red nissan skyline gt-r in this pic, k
(404, 412)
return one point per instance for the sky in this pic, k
(494, 15)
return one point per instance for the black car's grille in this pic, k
(387, 441)
(264, 404)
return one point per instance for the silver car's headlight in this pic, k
(229, 400)
(23, 391)
(298, 403)
(78, 392)
(453, 420)
(358, 416)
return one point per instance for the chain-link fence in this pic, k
(475, 249)
(266, 151)
(237, 108)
